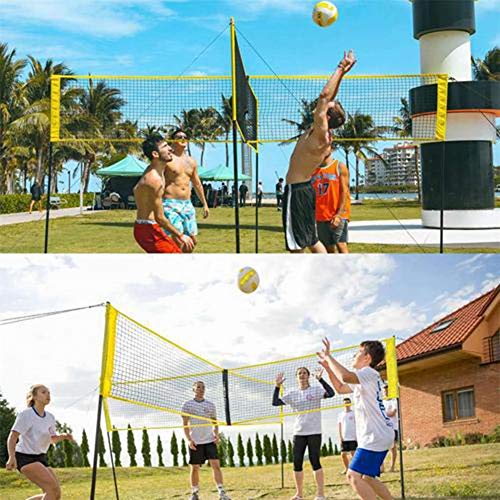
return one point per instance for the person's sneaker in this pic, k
(194, 496)
(224, 496)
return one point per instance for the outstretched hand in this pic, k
(280, 378)
(348, 61)
(319, 373)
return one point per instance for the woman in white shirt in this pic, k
(30, 437)
(307, 428)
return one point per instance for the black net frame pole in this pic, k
(256, 202)
(225, 385)
(441, 210)
(113, 467)
(235, 187)
(96, 449)
(282, 443)
(47, 208)
(401, 462)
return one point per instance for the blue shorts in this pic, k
(367, 462)
(181, 215)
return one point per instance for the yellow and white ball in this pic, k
(325, 14)
(248, 280)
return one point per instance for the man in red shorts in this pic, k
(148, 192)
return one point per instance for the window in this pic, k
(441, 326)
(458, 404)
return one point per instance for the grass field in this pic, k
(111, 232)
(464, 472)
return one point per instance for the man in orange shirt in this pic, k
(333, 204)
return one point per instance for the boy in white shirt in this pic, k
(374, 430)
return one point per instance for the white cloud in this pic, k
(112, 18)
(449, 302)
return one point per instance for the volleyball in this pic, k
(325, 14)
(248, 280)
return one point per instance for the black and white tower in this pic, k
(461, 168)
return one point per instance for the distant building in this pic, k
(448, 374)
(394, 167)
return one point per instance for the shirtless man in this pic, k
(299, 200)
(151, 222)
(181, 171)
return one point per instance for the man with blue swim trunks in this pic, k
(181, 172)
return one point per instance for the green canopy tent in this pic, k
(221, 173)
(130, 166)
(122, 176)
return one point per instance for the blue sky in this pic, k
(162, 37)
(198, 306)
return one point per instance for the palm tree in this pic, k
(403, 127)
(33, 126)
(489, 67)
(359, 131)
(306, 118)
(226, 122)
(11, 107)
(203, 125)
(101, 107)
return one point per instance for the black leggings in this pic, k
(313, 444)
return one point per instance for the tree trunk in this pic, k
(40, 174)
(417, 175)
(86, 175)
(357, 178)
(202, 154)
(227, 150)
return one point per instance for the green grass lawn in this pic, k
(465, 472)
(110, 231)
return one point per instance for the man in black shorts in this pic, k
(202, 439)
(299, 200)
(36, 196)
(347, 434)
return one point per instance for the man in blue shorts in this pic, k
(374, 429)
(181, 172)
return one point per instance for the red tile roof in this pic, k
(465, 319)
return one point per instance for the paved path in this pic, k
(6, 219)
(408, 232)
(411, 232)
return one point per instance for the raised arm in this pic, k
(277, 401)
(329, 392)
(344, 375)
(329, 93)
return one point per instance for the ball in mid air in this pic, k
(325, 14)
(248, 280)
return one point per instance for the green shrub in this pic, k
(473, 438)
(438, 442)
(494, 437)
(15, 203)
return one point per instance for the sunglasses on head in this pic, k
(181, 137)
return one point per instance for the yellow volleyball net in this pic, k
(146, 380)
(269, 108)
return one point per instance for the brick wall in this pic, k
(421, 406)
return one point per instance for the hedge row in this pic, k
(15, 203)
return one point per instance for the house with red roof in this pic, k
(449, 373)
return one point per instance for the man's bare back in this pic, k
(306, 157)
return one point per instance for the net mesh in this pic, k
(147, 380)
(93, 108)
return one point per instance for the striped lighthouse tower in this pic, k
(457, 175)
